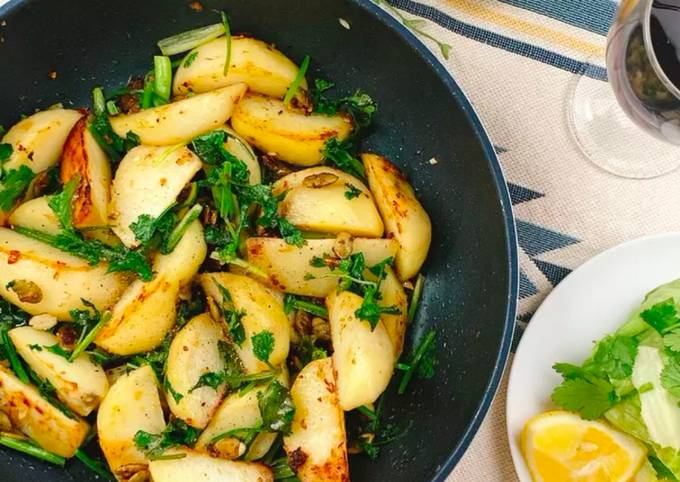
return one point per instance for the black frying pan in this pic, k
(472, 269)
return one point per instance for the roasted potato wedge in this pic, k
(199, 467)
(318, 436)
(181, 121)
(80, 384)
(236, 411)
(36, 214)
(255, 63)
(84, 158)
(288, 267)
(59, 280)
(404, 216)
(262, 312)
(193, 352)
(392, 294)
(363, 358)
(132, 404)
(292, 136)
(326, 200)
(39, 419)
(147, 181)
(37, 141)
(147, 310)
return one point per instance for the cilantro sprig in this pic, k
(177, 433)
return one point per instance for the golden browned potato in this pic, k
(37, 140)
(257, 64)
(193, 352)
(198, 467)
(392, 294)
(147, 181)
(132, 404)
(317, 438)
(326, 200)
(36, 214)
(80, 384)
(84, 158)
(181, 121)
(262, 312)
(147, 310)
(363, 357)
(48, 280)
(404, 216)
(292, 136)
(38, 419)
(288, 267)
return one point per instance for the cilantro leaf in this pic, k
(352, 191)
(276, 408)
(263, 345)
(661, 316)
(176, 433)
(614, 357)
(590, 396)
(5, 153)
(176, 396)
(61, 204)
(14, 184)
(341, 155)
(58, 350)
(359, 105)
(671, 340)
(670, 377)
(292, 302)
(422, 362)
(231, 316)
(153, 231)
(114, 145)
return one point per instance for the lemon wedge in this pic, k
(561, 447)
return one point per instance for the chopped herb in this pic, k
(13, 185)
(114, 145)
(189, 59)
(94, 465)
(35, 347)
(341, 154)
(58, 350)
(5, 153)
(292, 302)
(423, 362)
(91, 322)
(162, 84)
(359, 105)
(177, 433)
(231, 316)
(276, 408)
(188, 309)
(176, 396)
(112, 108)
(263, 345)
(177, 233)
(375, 432)
(352, 191)
(10, 352)
(154, 231)
(48, 392)
(98, 101)
(189, 40)
(589, 396)
(299, 77)
(61, 204)
(156, 359)
(307, 351)
(227, 36)
(245, 435)
(25, 446)
(662, 316)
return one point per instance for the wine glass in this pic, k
(631, 127)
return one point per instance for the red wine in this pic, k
(665, 35)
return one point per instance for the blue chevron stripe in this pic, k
(526, 287)
(519, 194)
(593, 15)
(536, 240)
(500, 149)
(501, 41)
(553, 272)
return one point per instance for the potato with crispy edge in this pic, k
(38, 419)
(317, 440)
(59, 280)
(80, 384)
(84, 158)
(180, 121)
(262, 311)
(259, 65)
(147, 181)
(326, 200)
(294, 137)
(37, 141)
(363, 357)
(404, 216)
(147, 310)
(288, 267)
(132, 404)
(199, 467)
(193, 352)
